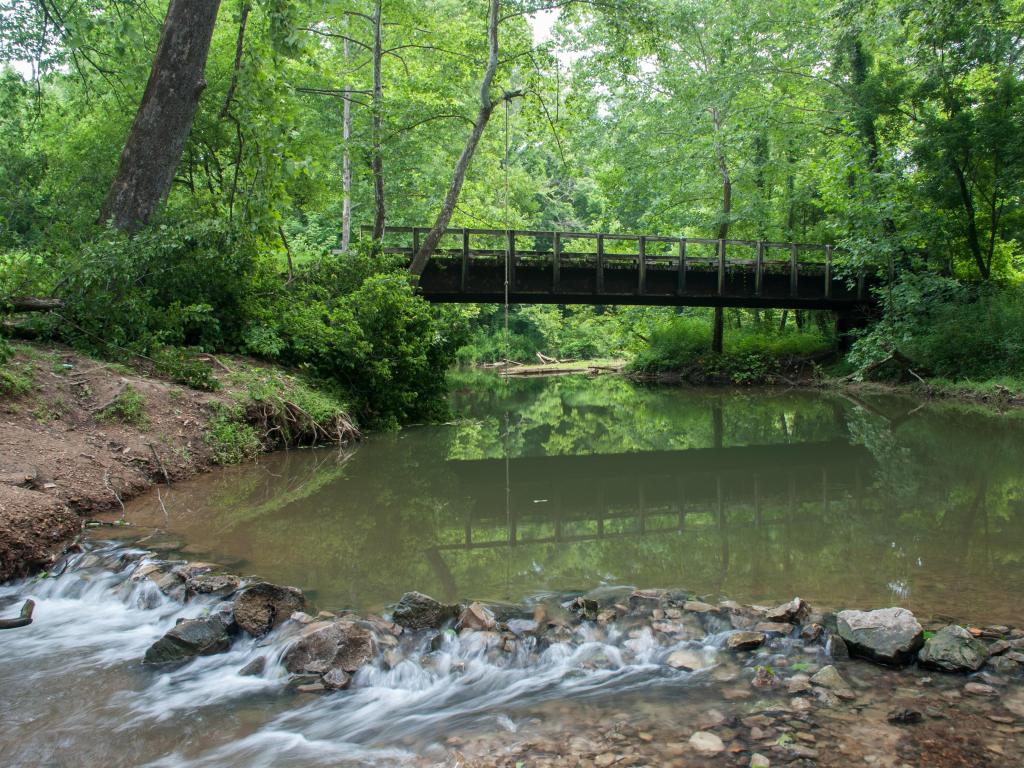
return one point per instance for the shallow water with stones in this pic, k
(688, 489)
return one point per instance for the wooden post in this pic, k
(641, 265)
(681, 267)
(600, 264)
(721, 267)
(794, 254)
(556, 262)
(759, 268)
(511, 260)
(465, 260)
(828, 271)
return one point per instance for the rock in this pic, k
(706, 743)
(696, 606)
(322, 647)
(835, 648)
(811, 632)
(418, 611)
(254, 668)
(888, 635)
(998, 647)
(757, 760)
(263, 607)
(337, 680)
(221, 584)
(1014, 702)
(190, 638)
(774, 627)
(745, 641)
(688, 660)
(522, 626)
(980, 689)
(1004, 665)
(477, 617)
(583, 608)
(793, 612)
(829, 677)
(953, 649)
(905, 716)
(605, 759)
(644, 600)
(798, 684)
(311, 688)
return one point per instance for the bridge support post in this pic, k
(556, 262)
(759, 268)
(721, 267)
(600, 264)
(828, 271)
(681, 265)
(794, 273)
(641, 265)
(510, 271)
(464, 277)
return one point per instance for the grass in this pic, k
(129, 407)
(231, 438)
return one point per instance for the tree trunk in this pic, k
(718, 333)
(377, 160)
(419, 262)
(162, 125)
(346, 162)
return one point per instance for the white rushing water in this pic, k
(76, 692)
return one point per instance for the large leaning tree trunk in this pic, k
(162, 124)
(483, 116)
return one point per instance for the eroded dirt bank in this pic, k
(79, 437)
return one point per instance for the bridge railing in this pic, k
(602, 251)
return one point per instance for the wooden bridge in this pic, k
(544, 267)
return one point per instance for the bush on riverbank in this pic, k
(750, 354)
(950, 329)
(348, 322)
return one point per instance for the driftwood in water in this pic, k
(23, 620)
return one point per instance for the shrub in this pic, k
(232, 440)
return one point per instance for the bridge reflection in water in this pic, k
(554, 499)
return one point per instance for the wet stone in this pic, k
(706, 743)
(688, 660)
(745, 641)
(418, 611)
(254, 668)
(953, 649)
(191, 638)
(263, 607)
(980, 689)
(888, 635)
(905, 716)
(476, 616)
(793, 612)
(774, 628)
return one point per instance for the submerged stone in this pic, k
(263, 607)
(706, 743)
(953, 649)
(688, 660)
(745, 641)
(888, 635)
(254, 668)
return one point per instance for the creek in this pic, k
(539, 489)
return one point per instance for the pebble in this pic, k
(980, 689)
(757, 760)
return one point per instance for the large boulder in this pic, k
(263, 607)
(191, 638)
(888, 635)
(953, 649)
(325, 646)
(418, 611)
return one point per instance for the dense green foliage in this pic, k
(889, 127)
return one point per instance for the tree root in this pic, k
(23, 620)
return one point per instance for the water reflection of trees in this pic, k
(754, 495)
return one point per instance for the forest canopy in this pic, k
(890, 128)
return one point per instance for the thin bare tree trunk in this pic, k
(718, 331)
(487, 105)
(346, 162)
(162, 124)
(377, 160)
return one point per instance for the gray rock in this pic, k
(835, 648)
(221, 584)
(793, 612)
(888, 635)
(980, 689)
(953, 649)
(190, 638)
(323, 646)
(337, 680)
(254, 668)
(774, 627)
(263, 607)
(418, 611)
(706, 743)
(687, 660)
(645, 600)
(1005, 666)
(829, 677)
(745, 641)
(757, 760)
(522, 626)
(476, 616)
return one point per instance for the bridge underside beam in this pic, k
(647, 300)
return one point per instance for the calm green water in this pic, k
(561, 484)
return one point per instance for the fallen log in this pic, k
(23, 620)
(31, 304)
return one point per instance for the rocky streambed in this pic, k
(615, 676)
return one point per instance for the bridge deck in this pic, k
(470, 266)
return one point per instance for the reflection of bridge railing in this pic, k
(644, 493)
(553, 267)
